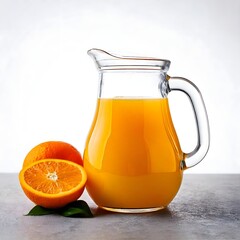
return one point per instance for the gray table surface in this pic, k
(206, 207)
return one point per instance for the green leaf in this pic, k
(76, 209)
(39, 211)
(73, 212)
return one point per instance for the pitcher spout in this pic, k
(100, 56)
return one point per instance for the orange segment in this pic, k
(53, 183)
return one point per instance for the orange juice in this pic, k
(132, 155)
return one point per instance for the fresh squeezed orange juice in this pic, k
(132, 155)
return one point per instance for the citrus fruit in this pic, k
(53, 183)
(53, 149)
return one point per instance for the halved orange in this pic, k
(53, 183)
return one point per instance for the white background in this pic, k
(48, 84)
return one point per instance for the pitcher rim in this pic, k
(109, 61)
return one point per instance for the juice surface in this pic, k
(132, 155)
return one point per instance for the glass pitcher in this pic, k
(132, 156)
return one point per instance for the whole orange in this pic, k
(53, 149)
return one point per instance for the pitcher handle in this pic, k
(200, 113)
